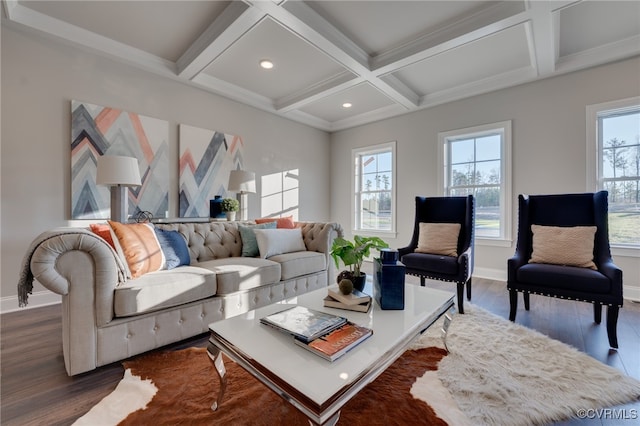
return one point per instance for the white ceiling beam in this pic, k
(233, 92)
(543, 37)
(336, 84)
(367, 117)
(233, 23)
(10, 8)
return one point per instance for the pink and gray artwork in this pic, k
(206, 159)
(98, 130)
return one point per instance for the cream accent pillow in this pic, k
(561, 245)
(278, 241)
(438, 238)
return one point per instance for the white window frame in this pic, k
(506, 199)
(594, 154)
(355, 197)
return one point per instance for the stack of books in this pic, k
(356, 301)
(329, 336)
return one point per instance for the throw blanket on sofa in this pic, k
(25, 281)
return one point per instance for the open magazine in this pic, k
(303, 323)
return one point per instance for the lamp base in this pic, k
(119, 208)
(242, 198)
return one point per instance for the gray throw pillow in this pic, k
(249, 242)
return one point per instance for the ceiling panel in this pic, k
(298, 65)
(163, 28)
(582, 27)
(363, 97)
(487, 57)
(379, 26)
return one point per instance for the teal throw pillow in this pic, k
(249, 242)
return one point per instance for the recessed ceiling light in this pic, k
(266, 64)
(347, 105)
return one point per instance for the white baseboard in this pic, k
(631, 292)
(490, 273)
(36, 300)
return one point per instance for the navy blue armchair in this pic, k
(445, 268)
(600, 286)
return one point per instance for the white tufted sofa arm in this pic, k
(85, 270)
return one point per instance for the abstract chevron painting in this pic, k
(98, 130)
(206, 158)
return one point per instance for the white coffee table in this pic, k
(317, 387)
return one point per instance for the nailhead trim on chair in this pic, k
(562, 297)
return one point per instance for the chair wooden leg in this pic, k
(597, 313)
(525, 296)
(469, 289)
(612, 323)
(422, 281)
(460, 297)
(513, 301)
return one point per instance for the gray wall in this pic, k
(39, 80)
(549, 149)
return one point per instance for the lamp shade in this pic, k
(242, 181)
(118, 170)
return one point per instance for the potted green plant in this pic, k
(352, 254)
(230, 206)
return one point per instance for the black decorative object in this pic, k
(388, 284)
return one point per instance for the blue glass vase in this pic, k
(215, 207)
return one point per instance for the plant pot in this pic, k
(231, 216)
(358, 282)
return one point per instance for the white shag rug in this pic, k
(497, 373)
(502, 373)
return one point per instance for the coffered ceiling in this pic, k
(385, 58)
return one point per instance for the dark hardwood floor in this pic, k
(35, 389)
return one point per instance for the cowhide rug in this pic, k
(497, 373)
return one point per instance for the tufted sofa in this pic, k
(107, 317)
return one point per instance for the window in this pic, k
(613, 138)
(374, 188)
(477, 161)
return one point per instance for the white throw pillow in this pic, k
(278, 241)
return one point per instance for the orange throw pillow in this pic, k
(281, 222)
(140, 247)
(103, 230)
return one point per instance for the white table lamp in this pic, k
(119, 173)
(242, 182)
